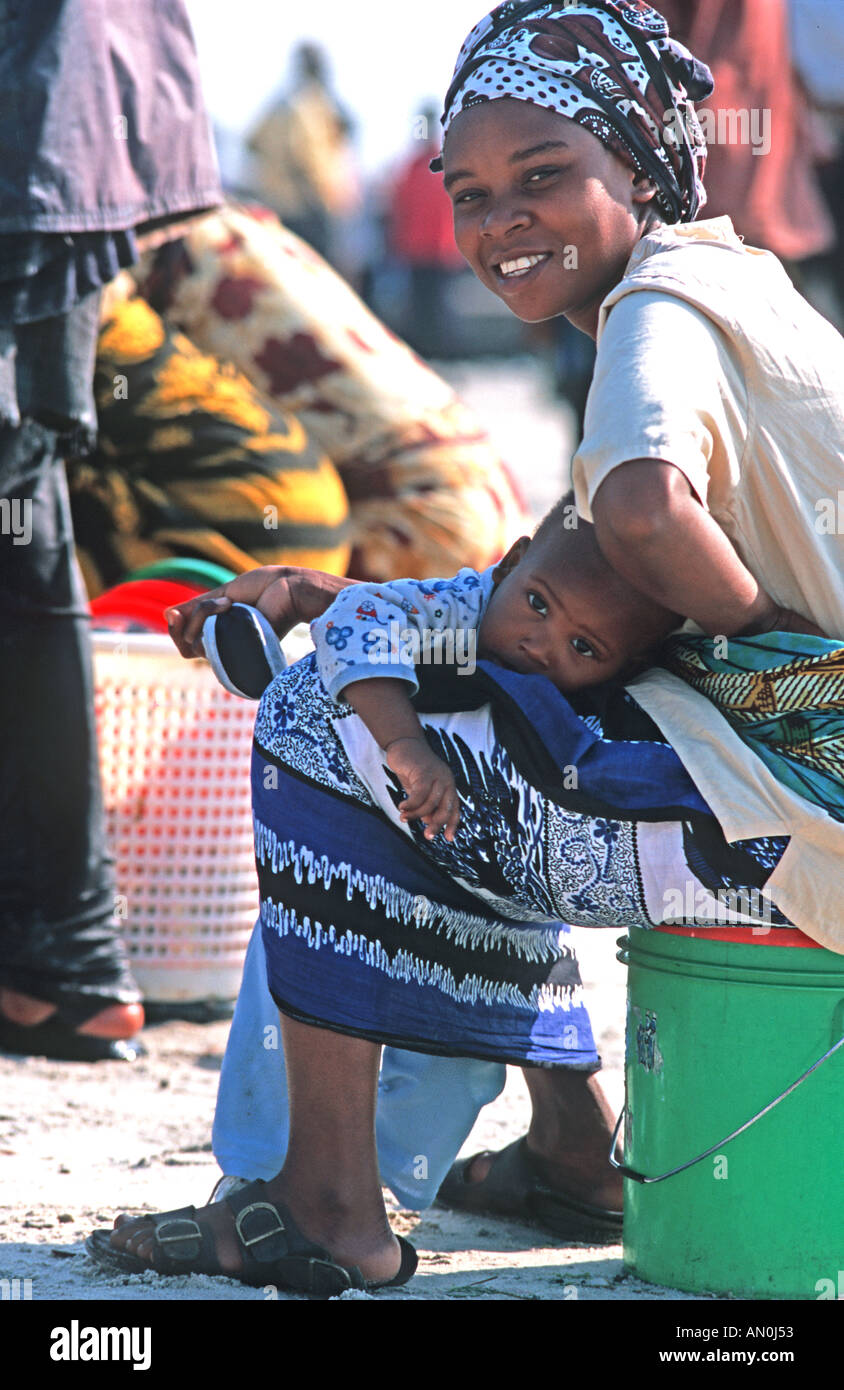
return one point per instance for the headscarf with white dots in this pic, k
(612, 68)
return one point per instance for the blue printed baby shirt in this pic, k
(375, 630)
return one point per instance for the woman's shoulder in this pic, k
(739, 292)
(703, 263)
(713, 242)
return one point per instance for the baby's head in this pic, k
(559, 610)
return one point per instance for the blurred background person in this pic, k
(103, 134)
(817, 37)
(420, 234)
(760, 166)
(270, 418)
(303, 157)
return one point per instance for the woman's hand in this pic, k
(429, 783)
(285, 594)
(779, 619)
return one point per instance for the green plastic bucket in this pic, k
(717, 1029)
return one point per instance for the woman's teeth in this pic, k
(522, 265)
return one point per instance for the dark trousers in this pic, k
(59, 936)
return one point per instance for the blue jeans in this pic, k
(426, 1105)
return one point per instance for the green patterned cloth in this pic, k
(783, 693)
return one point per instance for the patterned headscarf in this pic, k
(611, 67)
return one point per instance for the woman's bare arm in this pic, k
(285, 594)
(654, 532)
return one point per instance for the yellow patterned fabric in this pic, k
(193, 461)
(428, 492)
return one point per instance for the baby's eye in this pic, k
(582, 647)
(537, 602)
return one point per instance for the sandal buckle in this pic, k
(186, 1235)
(264, 1235)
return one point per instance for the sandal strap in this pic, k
(274, 1249)
(182, 1245)
(262, 1232)
(319, 1278)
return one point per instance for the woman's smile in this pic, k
(515, 271)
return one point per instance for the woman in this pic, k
(570, 155)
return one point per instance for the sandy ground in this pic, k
(80, 1143)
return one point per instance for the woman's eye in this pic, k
(467, 197)
(540, 174)
(582, 647)
(537, 602)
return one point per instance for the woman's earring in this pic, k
(642, 184)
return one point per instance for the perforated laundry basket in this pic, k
(175, 753)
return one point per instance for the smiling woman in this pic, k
(599, 807)
(558, 115)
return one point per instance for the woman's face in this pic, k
(526, 182)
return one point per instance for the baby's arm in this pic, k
(366, 656)
(385, 709)
(654, 532)
(380, 630)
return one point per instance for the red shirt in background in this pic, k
(421, 222)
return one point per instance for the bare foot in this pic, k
(117, 1021)
(23, 1009)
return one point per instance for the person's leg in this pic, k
(425, 1110)
(252, 1118)
(330, 1178)
(330, 1181)
(426, 1105)
(425, 327)
(569, 1137)
(570, 1134)
(59, 944)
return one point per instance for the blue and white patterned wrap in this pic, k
(463, 948)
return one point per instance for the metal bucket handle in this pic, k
(640, 1177)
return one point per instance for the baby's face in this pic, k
(568, 622)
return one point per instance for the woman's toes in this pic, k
(130, 1233)
(142, 1245)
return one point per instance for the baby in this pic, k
(552, 607)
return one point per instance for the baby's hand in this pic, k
(431, 790)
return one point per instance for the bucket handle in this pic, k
(640, 1177)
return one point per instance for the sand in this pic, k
(80, 1143)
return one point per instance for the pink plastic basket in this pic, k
(175, 753)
